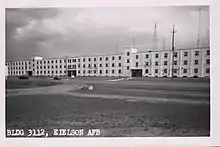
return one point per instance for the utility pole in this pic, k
(198, 37)
(173, 46)
(66, 66)
(155, 37)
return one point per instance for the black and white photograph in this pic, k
(107, 72)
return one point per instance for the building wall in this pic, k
(187, 63)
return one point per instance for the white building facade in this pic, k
(193, 62)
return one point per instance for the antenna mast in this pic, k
(155, 37)
(198, 39)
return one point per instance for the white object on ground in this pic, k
(117, 79)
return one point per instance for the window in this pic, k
(127, 67)
(184, 70)
(174, 62)
(174, 70)
(185, 54)
(195, 70)
(78, 71)
(44, 67)
(84, 59)
(95, 71)
(94, 59)
(136, 64)
(78, 65)
(137, 56)
(113, 71)
(60, 61)
(113, 58)
(207, 70)
(147, 56)
(94, 65)
(156, 63)
(64, 60)
(147, 63)
(127, 60)
(89, 71)
(165, 55)
(119, 71)
(89, 65)
(44, 62)
(89, 59)
(106, 65)
(128, 53)
(119, 57)
(48, 72)
(106, 71)
(165, 62)
(60, 66)
(175, 54)
(185, 62)
(51, 61)
(156, 70)
(100, 65)
(100, 71)
(208, 52)
(119, 64)
(44, 72)
(56, 61)
(78, 60)
(165, 70)
(156, 55)
(146, 71)
(84, 66)
(113, 64)
(84, 71)
(100, 58)
(106, 58)
(207, 61)
(196, 53)
(56, 66)
(196, 62)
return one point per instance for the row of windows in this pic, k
(52, 72)
(94, 59)
(101, 71)
(185, 62)
(175, 70)
(196, 53)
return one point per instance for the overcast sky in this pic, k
(57, 32)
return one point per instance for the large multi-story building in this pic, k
(194, 62)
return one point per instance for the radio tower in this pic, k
(198, 39)
(155, 37)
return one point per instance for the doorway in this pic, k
(136, 72)
(72, 73)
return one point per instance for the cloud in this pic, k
(53, 32)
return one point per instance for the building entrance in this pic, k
(136, 72)
(72, 73)
(29, 73)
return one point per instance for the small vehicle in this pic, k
(57, 78)
(23, 77)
